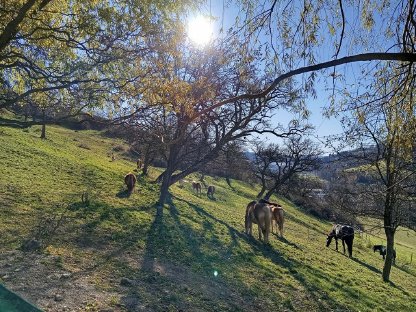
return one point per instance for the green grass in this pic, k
(195, 258)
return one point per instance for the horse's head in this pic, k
(329, 239)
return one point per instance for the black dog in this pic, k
(383, 251)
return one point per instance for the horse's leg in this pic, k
(266, 236)
(246, 224)
(349, 245)
(249, 227)
(343, 245)
(260, 230)
(336, 243)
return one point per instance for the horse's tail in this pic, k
(247, 218)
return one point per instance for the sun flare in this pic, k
(200, 30)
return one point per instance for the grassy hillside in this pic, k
(111, 254)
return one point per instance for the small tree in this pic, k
(386, 124)
(276, 165)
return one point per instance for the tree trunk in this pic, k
(146, 161)
(269, 194)
(145, 169)
(202, 178)
(389, 229)
(166, 181)
(164, 192)
(228, 181)
(389, 256)
(261, 193)
(43, 133)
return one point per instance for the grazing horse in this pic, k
(260, 214)
(196, 186)
(278, 217)
(210, 191)
(345, 233)
(383, 251)
(130, 180)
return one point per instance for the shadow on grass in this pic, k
(370, 267)
(12, 123)
(192, 244)
(405, 269)
(284, 240)
(197, 254)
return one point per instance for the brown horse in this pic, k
(211, 191)
(196, 186)
(277, 217)
(130, 180)
(258, 213)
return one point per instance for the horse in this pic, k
(260, 214)
(196, 186)
(210, 191)
(277, 215)
(130, 181)
(383, 251)
(345, 233)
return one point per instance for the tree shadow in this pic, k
(267, 251)
(400, 288)
(405, 269)
(12, 123)
(284, 240)
(370, 267)
(156, 232)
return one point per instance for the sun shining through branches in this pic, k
(200, 30)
